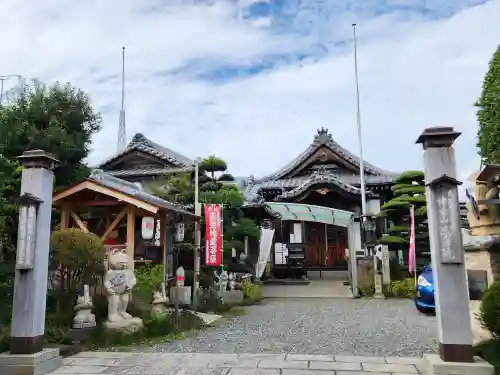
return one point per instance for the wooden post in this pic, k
(65, 216)
(131, 235)
(79, 221)
(114, 223)
(450, 285)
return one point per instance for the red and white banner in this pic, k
(412, 255)
(213, 235)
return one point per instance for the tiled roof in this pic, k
(131, 189)
(141, 143)
(323, 138)
(322, 177)
(252, 187)
(147, 171)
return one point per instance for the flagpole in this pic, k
(358, 122)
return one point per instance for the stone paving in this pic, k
(318, 326)
(108, 363)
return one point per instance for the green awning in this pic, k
(305, 212)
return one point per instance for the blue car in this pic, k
(424, 300)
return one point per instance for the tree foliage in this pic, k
(488, 114)
(58, 119)
(408, 190)
(179, 188)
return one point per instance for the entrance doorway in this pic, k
(325, 246)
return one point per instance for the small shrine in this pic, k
(482, 241)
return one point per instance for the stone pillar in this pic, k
(27, 355)
(451, 296)
(450, 286)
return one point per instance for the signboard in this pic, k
(148, 228)
(446, 215)
(213, 235)
(386, 265)
(26, 238)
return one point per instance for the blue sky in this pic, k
(252, 80)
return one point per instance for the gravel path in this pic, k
(318, 326)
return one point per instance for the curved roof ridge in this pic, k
(322, 177)
(324, 138)
(141, 142)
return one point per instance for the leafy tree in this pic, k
(408, 190)
(488, 114)
(179, 188)
(213, 164)
(58, 119)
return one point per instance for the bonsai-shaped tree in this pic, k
(214, 189)
(408, 190)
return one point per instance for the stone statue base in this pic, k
(83, 325)
(127, 326)
(232, 297)
(482, 253)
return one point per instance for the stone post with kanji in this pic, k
(27, 352)
(450, 286)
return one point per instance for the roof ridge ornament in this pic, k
(323, 136)
(140, 138)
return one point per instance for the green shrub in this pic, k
(489, 351)
(489, 312)
(77, 258)
(153, 329)
(401, 288)
(252, 292)
(149, 278)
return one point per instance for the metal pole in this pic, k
(1, 90)
(197, 234)
(358, 120)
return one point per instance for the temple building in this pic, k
(143, 160)
(324, 175)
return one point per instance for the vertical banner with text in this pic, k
(213, 235)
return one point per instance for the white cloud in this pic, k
(415, 71)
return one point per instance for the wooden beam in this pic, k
(65, 216)
(79, 221)
(130, 235)
(93, 186)
(114, 223)
(101, 203)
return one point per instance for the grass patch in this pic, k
(489, 351)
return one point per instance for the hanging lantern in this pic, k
(148, 228)
(179, 232)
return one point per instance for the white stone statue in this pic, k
(84, 317)
(232, 281)
(159, 303)
(119, 282)
(222, 280)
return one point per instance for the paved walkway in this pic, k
(317, 326)
(316, 289)
(235, 364)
